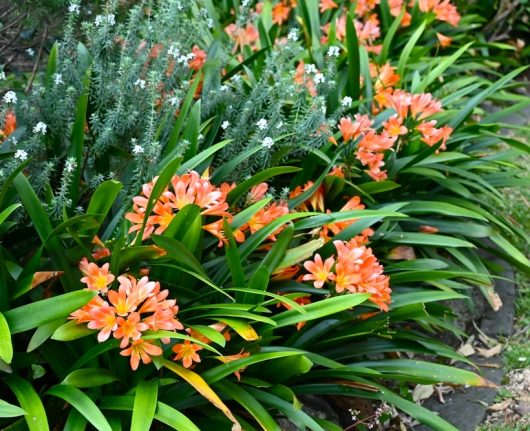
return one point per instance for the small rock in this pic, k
(523, 408)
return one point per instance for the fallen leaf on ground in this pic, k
(488, 353)
(466, 350)
(500, 406)
(422, 392)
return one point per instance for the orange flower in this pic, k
(443, 10)
(10, 125)
(257, 192)
(243, 36)
(327, 5)
(95, 278)
(358, 270)
(352, 129)
(432, 135)
(227, 359)
(424, 105)
(315, 202)
(141, 349)
(266, 216)
(394, 127)
(198, 60)
(320, 271)
(83, 314)
(353, 204)
(103, 317)
(300, 77)
(129, 328)
(385, 76)
(428, 229)
(187, 353)
(364, 7)
(280, 13)
(444, 41)
(336, 171)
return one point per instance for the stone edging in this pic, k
(466, 408)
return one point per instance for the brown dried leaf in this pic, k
(466, 350)
(488, 353)
(402, 252)
(422, 392)
(42, 276)
(500, 406)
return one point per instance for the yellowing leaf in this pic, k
(203, 388)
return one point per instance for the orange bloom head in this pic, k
(319, 271)
(95, 277)
(10, 125)
(187, 353)
(280, 13)
(327, 5)
(198, 60)
(141, 349)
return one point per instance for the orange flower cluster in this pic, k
(243, 36)
(354, 269)
(189, 189)
(411, 112)
(10, 125)
(444, 10)
(137, 306)
(186, 189)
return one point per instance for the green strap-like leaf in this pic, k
(33, 315)
(83, 404)
(30, 402)
(144, 405)
(6, 346)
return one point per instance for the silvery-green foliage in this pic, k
(137, 66)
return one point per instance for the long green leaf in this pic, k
(30, 402)
(83, 404)
(145, 402)
(33, 315)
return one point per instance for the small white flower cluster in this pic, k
(70, 164)
(333, 51)
(262, 124)
(174, 101)
(10, 97)
(30, 52)
(40, 127)
(310, 68)
(293, 35)
(137, 149)
(346, 101)
(74, 8)
(21, 155)
(185, 58)
(173, 51)
(109, 19)
(267, 142)
(2, 75)
(140, 83)
(58, 79)
(225, 125)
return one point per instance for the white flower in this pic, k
(70, 164)
(279, 125)
(173, 51)
(319, 78)
(209, 22)
(200, 137)
(40, 127)
(110, 19)
(310, 68)
(245, 3)
(174, 101)
(21, 155)
(293, 35)
(140, 83)
(223, 87)
(74, 8)
(58, 78)
(333, 51)
(267, 142)
(262, 124)
(10, 97)
(2, 75)
(138, 149)
(30, 52)
(347, 101)
(225, 125)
